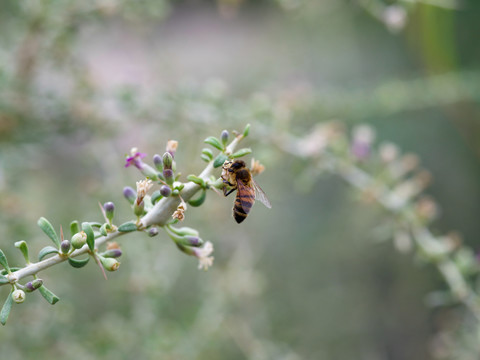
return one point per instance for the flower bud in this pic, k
(168, 175)
(33, 285)
(167, 161)
(362, 140)
(165, 190)
(158, 162)
(129, 194)
(110, 264)
(65, 246)
(18, 296)
(79, 239)
(152, 232)
(109, 208)
(193, 240)
(112, 253)
(138, 209)
(224, 137)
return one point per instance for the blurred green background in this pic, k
(83, 82)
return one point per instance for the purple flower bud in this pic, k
(360, 150)
(158, 162)
(112, 253)
(65, 246)
(165, 190)
(109, 208)
(362, 140)
(193, 240)
(129, 194)
(168, 175)
(152, 232)
(224, 136)
(33, 285)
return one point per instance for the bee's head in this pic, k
(233, 165)
(237, 165)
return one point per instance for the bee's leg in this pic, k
(226, 193)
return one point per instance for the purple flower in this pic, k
(135, 159)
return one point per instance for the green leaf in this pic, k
(22, 245)
(3, 261)
(127, 227)
(78, 263)
(246, 131)
(212, 140)
(103, 229)
(49, 230)
(74, 228)
(90, 235)
(155, 196)
(219, 160)
(199, 201)
(205, 158)
(3, 280)
(208, 153)
(241, 152)
(48, 295)
(95, 224)
(7, 306)
(197, 180)
(46, 251)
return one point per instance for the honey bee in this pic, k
(238, 177)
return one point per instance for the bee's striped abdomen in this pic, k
(243, 203)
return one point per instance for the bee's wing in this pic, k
(260, 195)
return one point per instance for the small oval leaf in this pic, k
(90, 235)
(212, 140)
(127, 227)
(48, 229)
(7, 306)
(3, 261)
(155, 196)
(219, 160)
(205, 158)
(22, 245)
(78, 263)
(241, 152)
(74, 227)
(48, 295)
(208, 153)
(197, 180)
(199, 201)
(46, 251)
(246, 131)
(103, 230)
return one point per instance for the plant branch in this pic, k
(160, 214)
